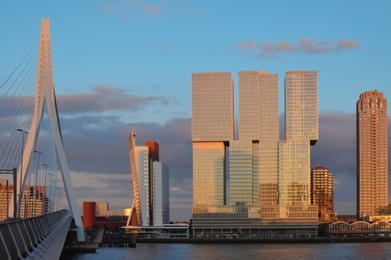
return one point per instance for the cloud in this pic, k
(124, 8)
(105, 153)
(150, 9)
(307, 45)
(272, 50)
(347, 44)
(277, 47)
(102, 99)
(246, 45)
(98, 157)
(164, 45)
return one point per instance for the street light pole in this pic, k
(35, 197)
(50, 191)
(54, 196)
(44, 194)
(24, 132)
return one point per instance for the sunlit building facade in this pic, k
(322, 193)
(268, 179)
(372, 154)
(254, 157)
(150, 180)
(213, 107)
(32, 204)
(301, 106)
(212, 129)
(161, 195)
(6, 194)
(301, 131)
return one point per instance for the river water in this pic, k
(373, 250)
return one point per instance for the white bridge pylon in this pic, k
(45, 99)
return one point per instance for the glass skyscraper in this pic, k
(253, 158)
(372, 154)
(268, 180)
(150, 178)
(212, 129)
(301, 130)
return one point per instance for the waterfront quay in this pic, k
(264, 240)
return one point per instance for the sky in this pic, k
(126, 65)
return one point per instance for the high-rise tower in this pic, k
(212, 129)
(253, 158)
(269, 179)
(301, 129)
(150, 185)
(322, 192)
(372, 154)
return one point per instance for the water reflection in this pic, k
(289, 251)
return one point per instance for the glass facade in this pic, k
(301, 130)
(294, 173)
(208, 175)
(372, 154)
(301, 105)
(269, 179)
(258, 106)
(241, 172)
(150, 181)
(161, 196)
(212, 107)
(212, 129)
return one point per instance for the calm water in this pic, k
(244, 251)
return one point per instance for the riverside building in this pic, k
(32, 204)
(151, 205)
(263, 189)
(372, 154)
(322, 193)
(150, 213)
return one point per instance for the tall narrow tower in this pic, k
(322, 191)
(212, 129)
(150, 178)
(301, 128)
(372, 154)
(253, 158)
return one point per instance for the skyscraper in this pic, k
(253, 158)
(150, 185)
(322, 192)
(372, 154)
(212, 129)
(269, 179)
(301, 105)
(212, 107)
(301, 130)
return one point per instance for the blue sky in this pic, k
(146, 51)
(152, 47)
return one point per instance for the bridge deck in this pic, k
(40, 237)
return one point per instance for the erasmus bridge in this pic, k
(34, 172)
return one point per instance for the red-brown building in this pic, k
(97, 214)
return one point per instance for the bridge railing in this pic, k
(34, 236)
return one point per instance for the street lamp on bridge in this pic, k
(24, 132)
(35, 195)
(44, 194)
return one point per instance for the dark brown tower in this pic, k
(372, 154)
